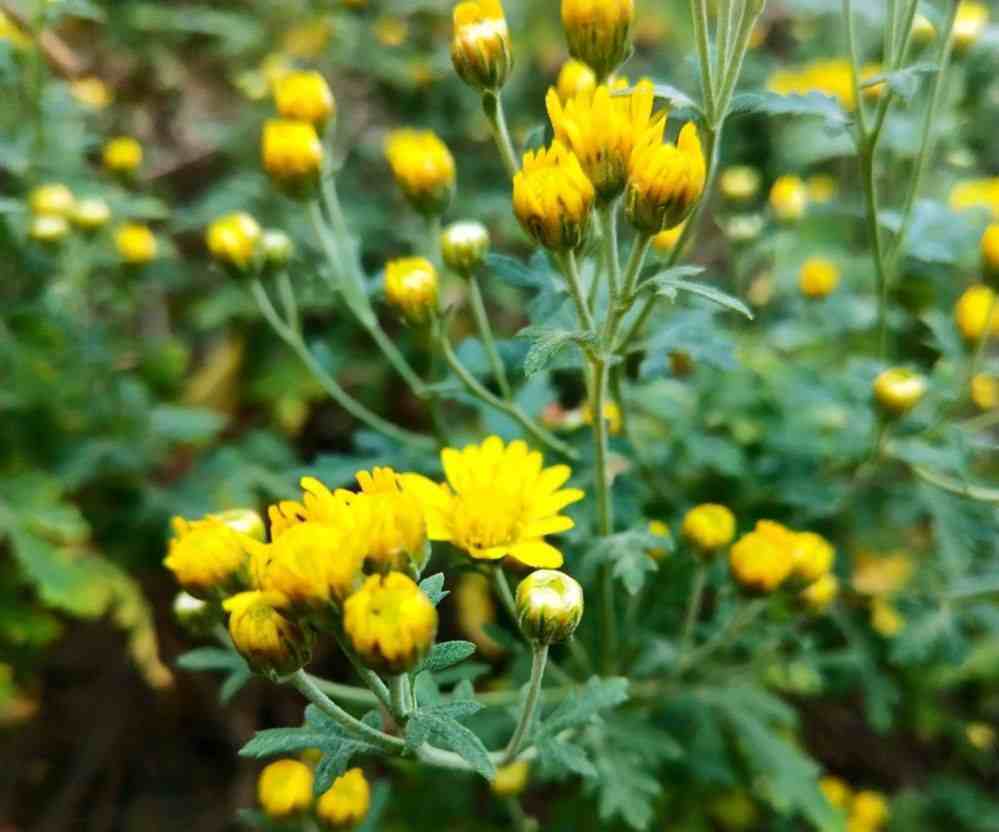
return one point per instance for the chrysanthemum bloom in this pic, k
(612, 416)
(270, 642)
(818, 277)
(232, 239)
(390, 622)
(819, 595)
(553, 198)
(549, 606)
(574, 78)
(122, 155)
(976, 309)
(972, 18)
(990, 248)
(476, 610)
(659, 529)
(836, 791)
(603, 129)
(599, 32)
(346, 803)
(480, 44)
(499, 501)
(284, 788)
(304, 96)
(898, 390)
(90, 214)
(206, 556)
(789, 198)
(91, 91)
(813, 556)
(390, 521)
(318, 505)
(48, 228)
(886, 620)
(985, 391)
(423, 168)
(411, 288)
(136, 243)
(292, 154)
(52, 200)
(869, 810)
(665, 180)
(464, 246)
(821, 188)
(510, 780)
(739, 183)
(759, 563)
(665, 241)
(709, 527)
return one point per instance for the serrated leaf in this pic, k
(809, 105)
(626, 790)
(547, 343)
(448, 653)
(585, 704)
(902, 82)
(559, 759)
(667, 286)
(515, 273)
(273, 741)
(433, 588)
(428, 726)
(628, 554)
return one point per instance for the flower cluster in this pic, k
(865, 810)
(285, 791)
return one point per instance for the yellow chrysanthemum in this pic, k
(292, 154)
(899, 389)
(48, 228)
(136, 243)
(574, 78)
(206, 555)
(739, 183)
(819, 595)
(813, 556)
(602, 130)
(270, 642)
(346, 803)
(759, 562)
(122, 154)
(499, 501)
(977, 310)
(233, 239)
(390, 521)
(304, 96)
(665, 241)
(52, 200)
(985, 391)
(411, 287)
(476, 610)
(818, 278)
(868, 810)
(599, 32)
(423, 168)
(789, 198)
(91, 213)
(990, 248)
(284, 788)
(480, 44)
(709, 527)
(665, 180)
(832, 77)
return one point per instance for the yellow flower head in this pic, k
(499, 501)
(898, 390)
(511, 779)
(411, 288)
(869, 810)
(480, 44)
(818, 277)
(464, 246)
(423, 168)
(977, 310)
(233, 239)
(659, 529)
(599, 32)
(665, 241)
(972, 18)
(292, 154)
(886, 620)
(575, 78)
(13, 34)
(612, 416)
(476, 610)
(820, 594)
(346, 803)
(832, 77)
(549, 606)
(91, 213)
(270, 642)
(284, 788)
(759, 562)
(985, 391)
(789, 198)
(136, 243)
(836, 791)
(552, 197)
(602, 129)
(390, 521)
(122, 154)
(990, 248)
(48, 228)
(304, 96)
(206, 555)
(91, 91)
(390, 622)
(881, 574)
(739, 183)
(981, 735)
(813, 556)
(709, 527)
(976, 193)
(52, 200)
(665, 180)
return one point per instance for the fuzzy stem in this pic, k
(539, 659)
(486, 334)
(492, 105)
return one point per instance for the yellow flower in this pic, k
(898, 390)
(233, 239)
(480, 44)
(464, 246)
(292, 154)
(511, 779)
(122, 155)
(92, 92)
(476, 610)
(575, 78)
(976, 309)
(48, 228)
(284, 788)
(499, 501)
(789, 198)
(665, 180)
(136, 243)
(821, 188)
(972, 18)
(11, 33)
(885, 619)
(818, 277)
(881, 574)
(709, 527)
(411, 288)
(54, 200)
(981, 735)
(869, 810)
(759, 562)
(346, 803)
(549, 606)
(820, 594)
(206, 555)
(813, 556)
(659, 529)
(91, 214)
(552, 197)
(602, 130)
(304, 96)
(612, 416)
(270, 642)
(739, 183)
(599, 32)
(309, 38)
(423, 168)
(665, 241)
(390, 622)
(390, 521)
(985, 391)
(836, 791)
(923, 30)
(976, 193)
(390, 30)
(832, 77)
(319, 505)
(990, 247)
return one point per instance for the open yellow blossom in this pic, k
(976, 193)
(411, 287)
(574, 78)
(91, 91)
(899, 389)
(207, 555)
(886, 620)
(977, 310)
(233, 239)
(511, 779)
(759, 562)
(665, 180)
(423, 168)
(136, 243)
(818, 277)
(122, 154)
(346, 803)
(599, 32)
(269, 641)
(53, 199)
(836, 791)
(476, 609)
(318, 505)
(499, 501)
(788, 198)
(820, 594)
(304, 96)
(390, 521)
(813, 556)
(972, 18)
(390, 622)
(985, 391)
(553, 197)
(292, 154)
(602, 130)
(709, 527)
(284, 788)
(480, 45)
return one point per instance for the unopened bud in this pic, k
(549, 606)
(464, 246)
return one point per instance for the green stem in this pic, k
(366, 674)
(503, 590)
(608, 219)
(492, 105)
(570, 268)
(699, 18)
(401, 695)
(539, 658)
(486, 334)
(694, 603)
(726, 635)
(360, 697)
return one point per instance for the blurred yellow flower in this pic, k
(612, 416)
(836, 791)
(972, 18)
(48, 228)
(665, 180)
(91, 91)
(304, 96)
(789, 198)
(886, 620)
(292, 154)
(53, 199)
(346, 803)
(822, 188)
(480, 44)
(818, 277)
(476, 610)
(665, 241)
(270, 642)
(981, 735)
(308, 39)
(868, 810)
(813, 556)
(136, 243)
(390, 30)
(284, 788)
(659, 529)
(553, 198)
(599, 32)
(122, 154)
(13, 34)
(575, 78)
(875, 574)
(990, 247)
(985, 391)
(759, 562)
(923, 30)
(976, 193)
(831, 76)
(423, 168)
(511, 779)
(206, 555)
(977, 311)
(899, 389)
(709, 527)
(820, 594)
(739, 183)
(411, 288)
(91, 213)
(233, 239)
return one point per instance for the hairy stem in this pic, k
(492, 105)
(539, 659)
(486, 335)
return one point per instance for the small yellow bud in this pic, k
(599, 32)
(923, 31)
(990, 248)
(659, 529)
(55, 200)
(820, 594)
(194, 615)
(391, 624)
(985, 391)
(346, 803)
(304, 96)
(789, 198)
(665, 180)
(480, 44)
(818, 277)
(136, 244)
(665, 241)
(836, 791)
(898, 390)
(233, 240)
(739, 183)
(91, 214)
(981, 735)
(270, 642)
(206, 556)
(423, 168)
(48, 228)
(510, 780)
(977, 310)
(886, 620)
(869, 810)
(292, 155)
(972, 18)
(553, 198)
(277, 247)
(549, 606)
(91, 92)
(464, 246)
(411, 288)
(821, 188)
(122, 155)
(709, 527)
(285, 789)
(758, 562)
(575, 78)
(813, 556)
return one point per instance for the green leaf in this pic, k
(192, 425)
(677, 98)
(810, 105)
(626, 789)
(561, 759)
(448, 653)
(547, 343)
(237, 671)
(584, 705)
(433, 588)
(435, 726)
(515, 273)
(903, 82)
(667, 286)
(628, 554)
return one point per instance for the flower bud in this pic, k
(480, 44)
(292, 155)
(599, 32)
(553, 198)
(549, 606)
(788, 198)
(985, 391)
(739, 183)
(194, 615)
(91, 214)
(304, 96)
(411, 288)
(207, 556)
(898, 390)
(48, 229)
(271, 643)
(836, 791)
(284, 789)
(923, 31)
(575, 78)
(464, 246)
(122, 155)
(869, 810)
(812, 554)
(345, 804)
(666, 181)
(54, 200)
(391, 624)
(818, 277)
(969, 25)
(665, 241)
(709, 527)
(511, 779)
(886, 620)
(233, 240)
(819, 595)
(759, 562)
(136, 244)
(423, 168)
(977, 310)
(277, 247)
